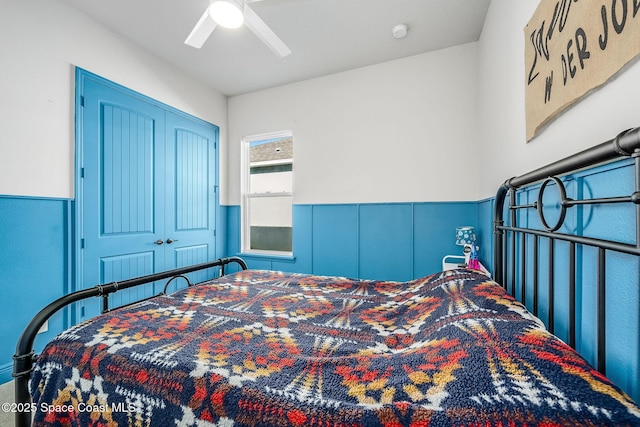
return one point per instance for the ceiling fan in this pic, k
(232, 14)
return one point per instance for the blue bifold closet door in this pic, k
(148, 190)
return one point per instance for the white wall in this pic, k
(41, 41)
(399, 131)
(388, 132)
(597, 118)
(407, 119)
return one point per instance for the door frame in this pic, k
(81, 76)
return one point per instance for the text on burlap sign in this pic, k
(571, 48)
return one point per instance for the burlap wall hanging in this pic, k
(573, 47)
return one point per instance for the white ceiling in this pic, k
(326, 36)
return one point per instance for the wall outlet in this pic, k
(44, 327)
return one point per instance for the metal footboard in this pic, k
(25, 356)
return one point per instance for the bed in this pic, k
(268, 348)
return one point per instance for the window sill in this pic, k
(266, 255)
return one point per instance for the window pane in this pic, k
(271, 150)
(271, 223)
(267, 193)
(275, 182)
(271, 166)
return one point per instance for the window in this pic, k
(267, 193)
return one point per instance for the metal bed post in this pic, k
(536, 281)
(551, 287)
(523, 268)
(636, 158)
(514, 221)
(499, 233)
(572, 295)
(601, 313)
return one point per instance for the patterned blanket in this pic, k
(259, 348)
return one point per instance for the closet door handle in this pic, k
(170, 241)
(159, 242)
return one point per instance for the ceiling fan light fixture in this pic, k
(226, 13)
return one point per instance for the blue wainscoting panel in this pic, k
(231, 229)
(485, 232)
(229, 235)
(34, 266)
(607, 221)
(435, 232)
(392, 241)
(622, 276)
(335, 240)
(386, 241)
(623, 323)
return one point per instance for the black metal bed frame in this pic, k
(510, 238)
(25, 356)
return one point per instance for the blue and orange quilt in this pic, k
(262, 348)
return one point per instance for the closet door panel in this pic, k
(191, 179)
(122, 186)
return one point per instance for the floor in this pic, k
(6, 396)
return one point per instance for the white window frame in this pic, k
(245, 226)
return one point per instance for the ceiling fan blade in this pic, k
(201, 31)
(264, 33)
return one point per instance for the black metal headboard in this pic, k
(518, 249)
